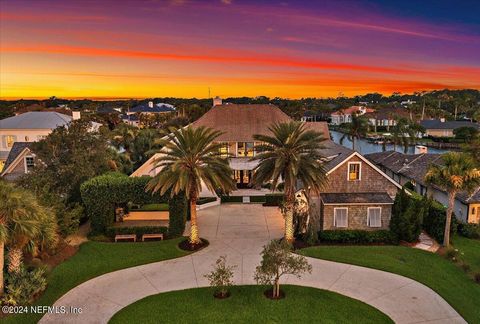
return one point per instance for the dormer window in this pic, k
(354, 171)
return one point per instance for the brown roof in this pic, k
(240, 122)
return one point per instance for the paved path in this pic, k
(240, 231)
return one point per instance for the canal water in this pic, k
(364, 147)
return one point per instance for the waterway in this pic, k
(364, 147)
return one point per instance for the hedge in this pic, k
(357, 237)
(152, 207)
(102, 194)
(137, 230)
(258, 199)
(231, 199)
(471, 231)
(205, 200)
(178, 210)
(273, 199)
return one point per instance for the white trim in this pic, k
(355, 204)
(14, 163)
(335, 218)
(359, 171)
(25, 162)
(368, 163)
(368, 216)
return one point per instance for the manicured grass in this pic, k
(153, 207)
(247, 304)
(434, 271)
(97, 258)
(469, 251)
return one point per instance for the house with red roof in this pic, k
(345, 115)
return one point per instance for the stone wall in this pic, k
(357, 217)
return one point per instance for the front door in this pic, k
(242, 178)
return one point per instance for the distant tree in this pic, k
(406, 133)
(473, 149)
(457, 173)
(357, 129)
(277, 261)
(466, 133)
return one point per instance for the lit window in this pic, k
(354, 171)
(374, 217)
(224, 149)
(340, 217)
(10, 140)
(29, 163)
(249, 149)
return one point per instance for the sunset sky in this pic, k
(155, 48)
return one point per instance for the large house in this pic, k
(404, 168)
(345, 115)
(132, 116)
(358, 194)
(386, 117)
(442, 128)
(29, 127)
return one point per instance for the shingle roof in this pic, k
(356, 198)
(17, 148)
(437, 124)
(334, 154)
(35, 120)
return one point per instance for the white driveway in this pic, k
(239, 232)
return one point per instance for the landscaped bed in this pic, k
(247, 304)
(433, 270)
(94, 259)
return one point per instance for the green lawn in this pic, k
(247, 304)
(97, 258)
(469, 251)
(443, 276)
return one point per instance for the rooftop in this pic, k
(438, 124)
(17, 148)
(157, 108)
(35, 120)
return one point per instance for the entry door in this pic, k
(243, 177)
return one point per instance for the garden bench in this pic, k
(152, 236)
(126, 237)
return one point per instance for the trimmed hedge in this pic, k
(138, 230)
(178, 213)
(357, 237)
(205, 200)
(471, 231)
(102, 194)
(258, 199)
(273, 199)
(231, 199)
(152, 207)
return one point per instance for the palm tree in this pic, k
(20, 216)
(290, 154)
(190, 157)
(457, 173)
(405, 132)
(355, 129)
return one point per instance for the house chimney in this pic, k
(150, 104)
(75, 115)
(442, 120)
(217, 101)
(420, 149)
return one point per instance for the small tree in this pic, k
(407, 217)
(278, 261)
(221, 277)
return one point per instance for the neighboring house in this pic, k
(132, 120)
(442, 128)
(386, 117)
(412, 168)
(20, 161)
(345, 115)
(151, 108)
(358, 194)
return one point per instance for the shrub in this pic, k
(407, 217)
(177, 215)
(137, 230)
(273, 199)
(221, 277)
(471, 231)
(22, 287)
(153, 207)
(357, 237)
(434, 219)
(451, 254)
(69, 219)
(206, 200)
(231, 199)
(258, 199)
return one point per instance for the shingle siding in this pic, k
(357, 217)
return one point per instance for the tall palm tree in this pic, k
(355, 129)
(190, 157)
(290, 154)
(457, 173)
(406, 132)
(20, 216)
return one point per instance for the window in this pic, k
(374, 217)
(245, 148)
(340, 217)
(224, 150)
(29, 163)
(10, 140)
(473, 210)
(354, 171)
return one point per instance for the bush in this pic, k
(137, 230)
(231, 199)
(206, 200)
(178, 211)
(153, 207)
(258, 199)
(273, 199)
(22, 287)
(221, 278)
(357, 237)
(452, 254)
(102, 194)
(407, 217)
(69, 219)
(471, 231)
(434, 219)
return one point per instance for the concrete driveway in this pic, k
(239, 231)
